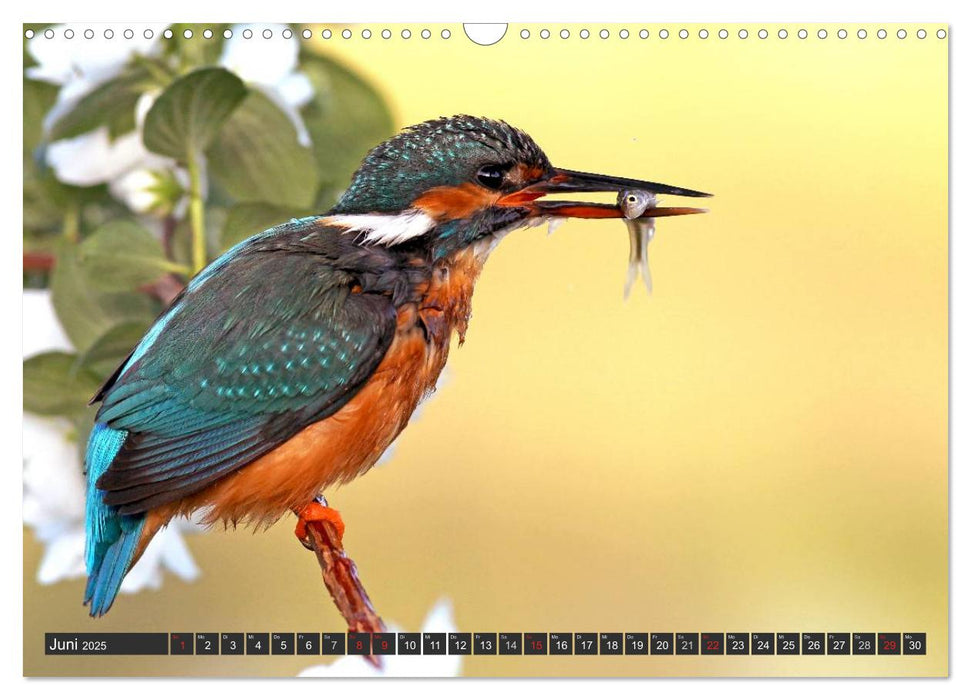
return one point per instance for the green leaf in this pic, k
(55, 386)
(188, 115)
(245, 220)
(346, 118)
(41, 212)
(43, 190)
(122, 255)
(39, 97)
(85, 312)
(121, 123)
(256, 156)
(112, 103)
(110, 350)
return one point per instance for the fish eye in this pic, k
(490, 176)
(632, 199)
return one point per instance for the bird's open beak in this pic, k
(568, 181)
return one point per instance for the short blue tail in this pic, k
(112, 539)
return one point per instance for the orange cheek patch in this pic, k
(458, 202)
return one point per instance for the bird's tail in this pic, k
(111, 539)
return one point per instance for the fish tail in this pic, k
(647, 237)
(631, 278)
(632, 259)
(646, 273)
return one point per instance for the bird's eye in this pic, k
(490, 176)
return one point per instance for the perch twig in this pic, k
(340, 576)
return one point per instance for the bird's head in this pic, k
(450, 182)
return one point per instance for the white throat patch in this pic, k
(385, 229)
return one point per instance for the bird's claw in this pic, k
(317, 511)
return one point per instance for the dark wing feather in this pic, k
(264, 345)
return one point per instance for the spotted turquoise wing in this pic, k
(257, 349)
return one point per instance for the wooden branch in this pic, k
(340, 576)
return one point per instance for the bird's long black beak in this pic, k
(568, 181)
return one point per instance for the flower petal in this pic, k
(63, 558)
(93, 158)
(176, 555)
(60, 62)
(134, 188)
(440, 618)
(53, 479)
(296, 89)
(42, 330)
(274, 60)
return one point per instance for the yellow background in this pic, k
(759, 446)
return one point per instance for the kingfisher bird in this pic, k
(291, 362)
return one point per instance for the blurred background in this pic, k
(761, 445)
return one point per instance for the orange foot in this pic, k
(315, 512)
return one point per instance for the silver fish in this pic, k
(633, 203)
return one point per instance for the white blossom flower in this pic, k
(159, 192)
(54, 485)
(91, 158)
(78, 69)
(94, 158)
(136, 189)
(271, 66)
(124, 163)
(439, 619)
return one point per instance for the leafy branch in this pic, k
(183, 122)
(115, 244)
(237, 168)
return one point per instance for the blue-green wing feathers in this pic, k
(252, 357)
(265, 341)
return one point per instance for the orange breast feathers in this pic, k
(346, 444)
